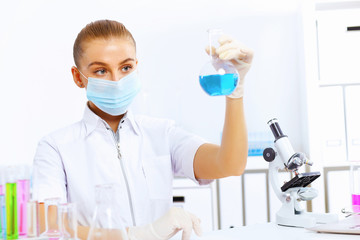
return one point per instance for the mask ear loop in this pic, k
(82, 74)
(81, 85)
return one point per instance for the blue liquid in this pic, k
(217, 85)
(2, 217)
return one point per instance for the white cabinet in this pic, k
(199, 200)
(256, 198)
(339, 123)
(353, 121)
(332, 78)
(338, 189)
(231, 202)
(338, 46)
(331, 124)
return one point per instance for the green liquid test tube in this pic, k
(11, 211)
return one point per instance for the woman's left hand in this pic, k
(240, 56)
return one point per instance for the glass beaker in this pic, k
(68, 221)
(106, 223)
(52, 230)
(355, 186)
(217, 77)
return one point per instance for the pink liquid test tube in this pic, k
(23, 188)
(356, 199)
(355, 186)
(356, 203)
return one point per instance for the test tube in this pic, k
(355, 186)
(33, 210)
(23, 195)
(2, 205)
(2, 217)
(2, 181)
(41, 217)
(11, 206)
(32, 219)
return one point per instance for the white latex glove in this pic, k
(239, 55)
(167, 226)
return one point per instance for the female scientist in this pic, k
(140, 154)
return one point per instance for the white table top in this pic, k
(269, 231)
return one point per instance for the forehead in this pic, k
(109, 50)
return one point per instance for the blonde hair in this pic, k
(104, 29)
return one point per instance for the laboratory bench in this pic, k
(269, 231)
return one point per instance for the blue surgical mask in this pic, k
(113, 97)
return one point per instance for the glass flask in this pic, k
(52, 230)
(217, 77)
(68, 221)
(106, 223)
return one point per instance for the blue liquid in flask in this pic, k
(218, 85)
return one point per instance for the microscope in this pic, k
(293, 192)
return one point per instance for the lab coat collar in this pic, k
(130, 116)
(92, 120)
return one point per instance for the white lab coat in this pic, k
(70, 162)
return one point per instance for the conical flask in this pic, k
(217, 77)
(106, 223)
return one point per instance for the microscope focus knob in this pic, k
(269, 154)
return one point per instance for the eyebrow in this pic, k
(104, 64)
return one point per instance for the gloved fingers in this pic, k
(242, 65)
(213, 50)
(196, 224)
(186, 233)
(227, 46)
(234, 46)
(190, 222)
(187, 230)
(232, 54)
(223, 39)
(173, 233)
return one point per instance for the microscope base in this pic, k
(305, 219)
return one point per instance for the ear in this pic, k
(77, 77)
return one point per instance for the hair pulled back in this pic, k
(103, 29)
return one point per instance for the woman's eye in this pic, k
(100, 72)
(126, 68)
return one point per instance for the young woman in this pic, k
(140, 154)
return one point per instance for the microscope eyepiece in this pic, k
(275, 128)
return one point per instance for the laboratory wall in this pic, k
(39, 96)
